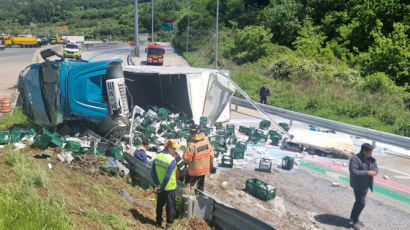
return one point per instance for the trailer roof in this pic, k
(166, 70)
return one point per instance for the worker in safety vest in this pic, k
(200, 158)
(163, 173)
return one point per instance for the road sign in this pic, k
(167, 26)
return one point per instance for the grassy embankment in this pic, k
(331, 91)
(67, 196)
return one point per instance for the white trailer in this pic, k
(73, 39)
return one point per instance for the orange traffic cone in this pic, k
(4, 105)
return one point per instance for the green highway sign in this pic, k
(167, 26)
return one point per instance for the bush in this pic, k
(378, 82)
(248, 44)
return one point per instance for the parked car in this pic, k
(72, 51)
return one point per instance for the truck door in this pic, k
(218, 95)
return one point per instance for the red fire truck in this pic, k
(155, 54)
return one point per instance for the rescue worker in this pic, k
(200, 158)
(163, 173)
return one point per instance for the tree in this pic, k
(284, 18)
(390, 54)
(248, 44)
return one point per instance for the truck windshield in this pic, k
(155, 51)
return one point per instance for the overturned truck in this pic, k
(59, 89)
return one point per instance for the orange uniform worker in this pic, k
(200, 158)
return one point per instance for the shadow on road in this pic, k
(334, 220)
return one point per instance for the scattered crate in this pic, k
(73, 146)
(264, 124)
(230, 129)
(237, 153)
(288, 162)
(260, 189)
(265, 165)
(284, 126)
(227, 162)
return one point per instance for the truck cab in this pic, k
(58, 90)
(155, 54)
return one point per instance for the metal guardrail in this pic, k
(89, 46)
(37, 57)
(231, 219)
(375, 135)
(225, 217)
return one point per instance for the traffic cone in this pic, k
(4, 105)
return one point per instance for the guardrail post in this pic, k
(236, 108)
(373, 143)
(290, 123)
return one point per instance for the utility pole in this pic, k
(137, 45)
(187, 31)
(152, 20)
(216, 40)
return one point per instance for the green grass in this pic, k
(17, 118)
(109, 220)
(21, 206)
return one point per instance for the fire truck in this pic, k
(155, 54)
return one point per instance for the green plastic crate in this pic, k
(4, 137)
(288, 162)
(42, 140)
(241, 145)
(265, 165)
(264, 124)
(260, 189)
(284, 126)
(115, 151)
(203, 121)
(251, 131)
(230, 129)
(219, 125)
(232, 140)
(253, 139)
(207, 131)
(149, 132)
(222, 133)
(87, 150)
(163, 114)
(227, 162)
(243, 129)
(57, 140)
(272, 133)
(73, 146)
(237, 153)
(183, 134)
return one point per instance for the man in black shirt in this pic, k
(264, 93)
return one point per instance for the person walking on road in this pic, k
(163, 173)
(200, 158)
(362, 168)
(264, 93)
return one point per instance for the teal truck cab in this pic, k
(58, 90)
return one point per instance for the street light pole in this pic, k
(216, 40)
(187, 31)
(152, 20)
(137, 45)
